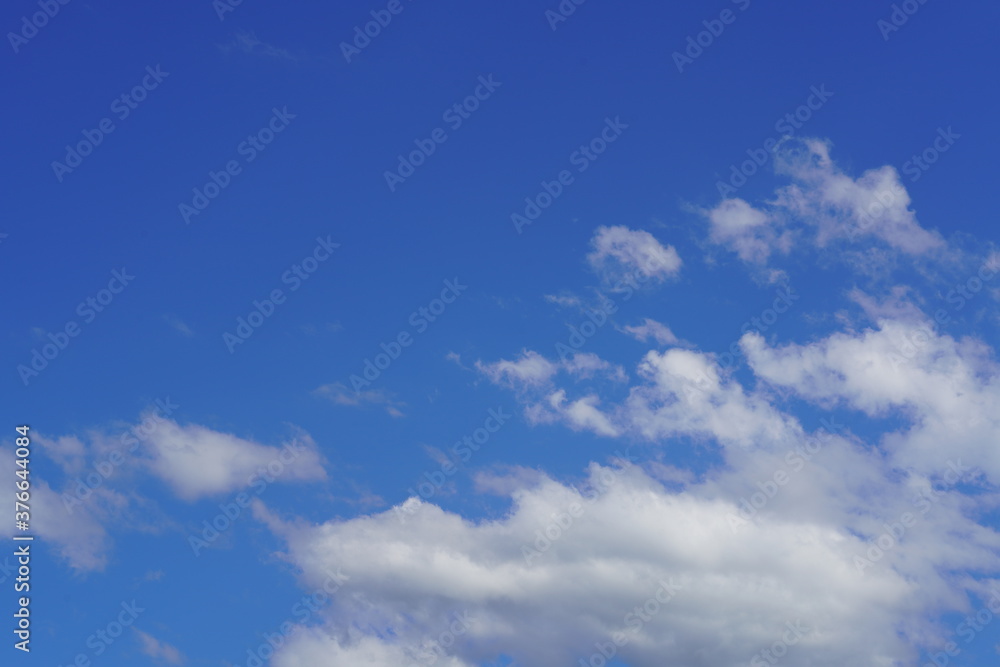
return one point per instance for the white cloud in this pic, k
(197, 462)
(796, 559)
(947, 389)
(549, 600)
(874, 204)
(868, 545)
(532, 375)
(314, 647)
(684, 393)
(78, 521)
(79, 538)
(341, 395)
(530, 369)
(588, 364)
(582, 414)
(620, 253)
(823, 205)
(158, 650)
(564, 300)
(650, 328)
(751, 233)
(68, 451)
(97, 496)
(456, 358)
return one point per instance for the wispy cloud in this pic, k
(341, 395)
(158, 650)
(178, 326)
(651, 329)
(246, 41)
(619, 252)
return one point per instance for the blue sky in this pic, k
(683, 313)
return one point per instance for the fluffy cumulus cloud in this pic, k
(822, 205)
(620, 253)
(684, 393)
(623, 566)
(197, 461)
(529, 369)
(313, 647)
(949, 389)
(747, 231)
(100, 471)
(845, 539)
(532, 376)
(873, 205)
(838, 553)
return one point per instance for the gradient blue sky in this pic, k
(323, 177)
